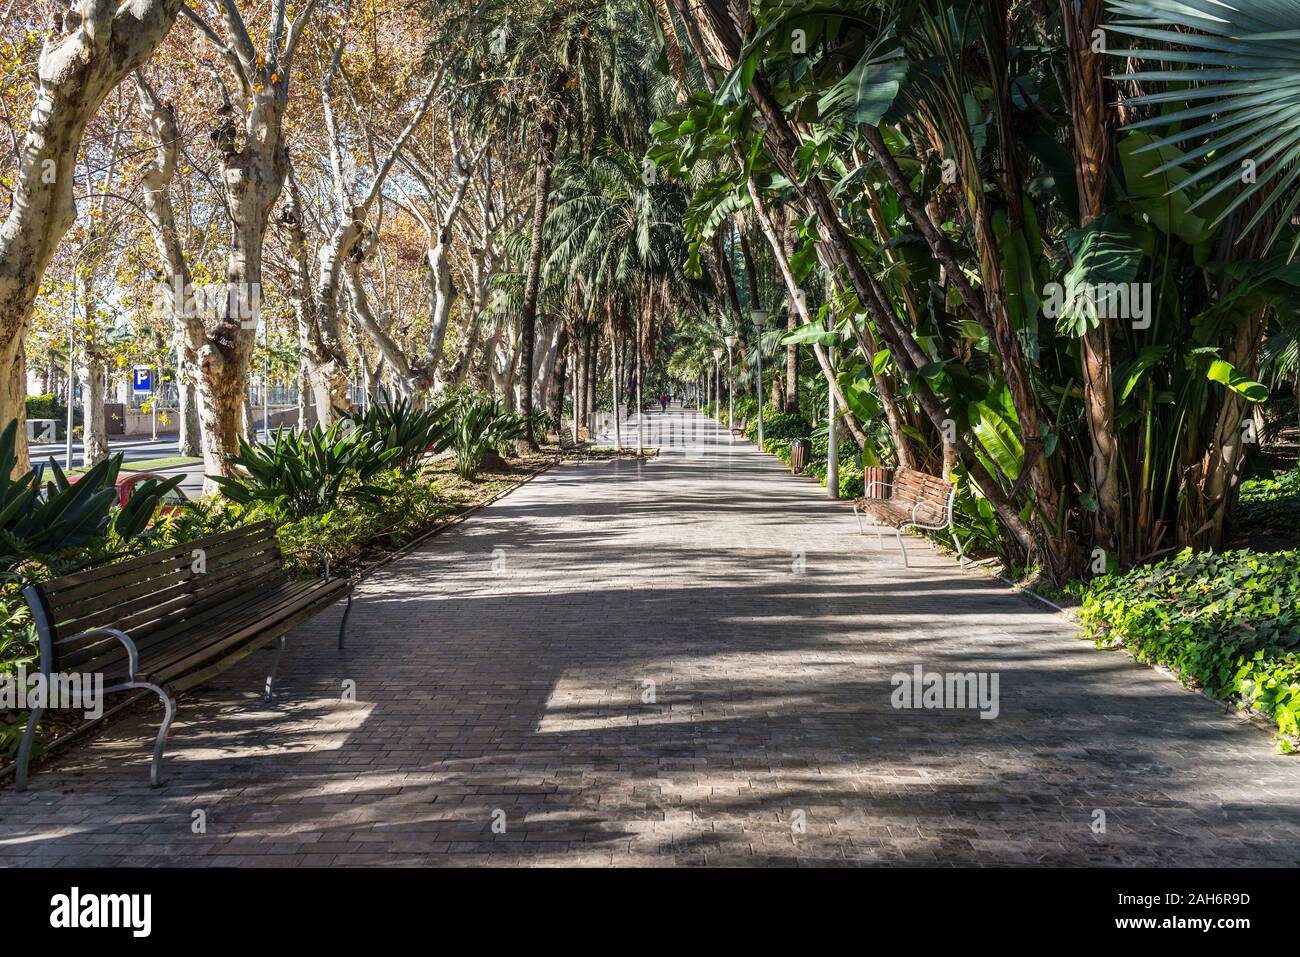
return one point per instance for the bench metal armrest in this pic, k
(132, 652)
(324, 560)
(875, 484)
(930, 505)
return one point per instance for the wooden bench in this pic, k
(911, 500)
(739, 427)
(172, 619)
(568, 443)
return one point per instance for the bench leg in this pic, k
(898, 533)
(857, 513)
(25, 749)
(344, 623)
(270, 678)
(169, 703)
(961, 556)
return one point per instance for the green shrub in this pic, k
(850, 464)
(51, 527)
(778, 447)
(307, 473)
(782, 425)
(479, 424)
(1228, 623)
(1271, 504)
(46, 406)
(542, 423)
(403, 507)
(49, 521)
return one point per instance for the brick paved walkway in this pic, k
(500, 673)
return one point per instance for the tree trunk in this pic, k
(1093, 142)
(223, 362)
(799, 313)
(563, 370)
(98, 44)
(547, 133)
(640, 399)
(187, 408)
(591, 375)
(615, 387)
(188, 333)
(327, 356)
(94, 430)
(249, 430)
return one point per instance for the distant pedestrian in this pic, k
(663, 401)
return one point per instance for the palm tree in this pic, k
(547, 71)
(620, 230)
(1242, 114)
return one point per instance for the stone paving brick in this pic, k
(768, 630)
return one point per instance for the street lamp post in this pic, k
(717, 378)
(759, 317)
(731, 385)
(72, 336)
(266, 382)
(832, 443)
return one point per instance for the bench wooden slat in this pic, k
(150, 628)
(262, 638)
(285, 604)
(69, 619)
(56, 589)
(237, 614)
(221, 552)
(903, 492)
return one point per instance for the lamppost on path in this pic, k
(72, 337)
(832, 444)
(731, 385)
(717, 377)
(759, 317)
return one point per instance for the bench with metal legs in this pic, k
(568, 443)
(180, 616)
(913, 500)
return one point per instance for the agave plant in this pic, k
(1243, 114)
(542, 422)
(303, 474)
(480, 424)
(412, 432)
(41, 520)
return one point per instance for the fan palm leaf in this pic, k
(1243, 64)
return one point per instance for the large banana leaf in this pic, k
(998, 436)
(1106, 254)
(1153, 186)
(870, 88)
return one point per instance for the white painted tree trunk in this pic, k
(94, 435)
(614, 387)
(188, 333)
(98, 43)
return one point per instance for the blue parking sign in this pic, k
(142, 382)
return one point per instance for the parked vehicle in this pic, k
(171, 502)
